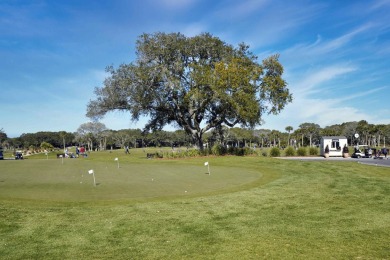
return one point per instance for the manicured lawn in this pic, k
(129, 178)
(248, 208)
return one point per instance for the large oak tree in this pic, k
(197, 82)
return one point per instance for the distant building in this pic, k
(335, 144)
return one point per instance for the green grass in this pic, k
(137, 178)
(248, 208)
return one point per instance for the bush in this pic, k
(313, 151)
(327, 149)
(231, 150)
(206, 152)
(274, 152)
(301, 151)
(218, 149)
(192, 153)
(248, 151)
(290, 151)
(264, 153)
(238, 151)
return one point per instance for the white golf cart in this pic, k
(363, 151)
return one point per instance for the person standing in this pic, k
(384, 152)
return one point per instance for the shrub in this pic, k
(206, 152)
(192, 153)
(231, 150)
(248, 151)
(327, 149)
(301, 151)
(313, 151)
(274, 152)
(345, 149)
(218, 149)
(290, 151)
(264, 153)
(239, 152)
(159, 155)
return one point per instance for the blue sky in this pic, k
(53, 53)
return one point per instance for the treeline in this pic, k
(96, 136)
(97, 140)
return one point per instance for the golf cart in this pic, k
(18, 155)
(363, 151)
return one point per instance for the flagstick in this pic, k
(208, 167)
(93, 174)
(94, 181)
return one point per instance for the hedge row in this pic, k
(220, 150)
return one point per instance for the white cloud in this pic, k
(312, 83)
(380, 4)
(344, 39)
(321, 47)
(340, 108)
(323, 112)
(330, 105)
(264, 23)
(241, 9)
(194, 29)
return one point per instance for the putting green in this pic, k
(70, 181)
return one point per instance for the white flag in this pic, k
(206, 163)
(116, 159)
(90, 171)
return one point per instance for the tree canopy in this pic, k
(90, 131)
(198, 83)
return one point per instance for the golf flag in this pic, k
(117, 160)
(208, 166)
(93, 174)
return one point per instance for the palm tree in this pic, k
(275, 134)
(263, 134)
(379, 131)
(289, 129)
(363, 129)
(310, 129)
(63, 135)
(349, 130)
